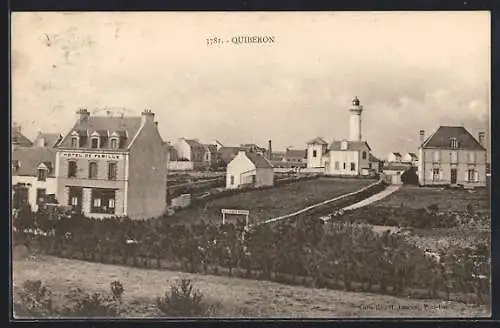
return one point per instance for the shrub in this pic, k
(182, 301)
(85, 304)
(36, 299)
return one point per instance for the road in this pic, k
(374, 198)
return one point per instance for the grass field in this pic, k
(446, 199)
(269, 203)
(413, 197)
(235, 297)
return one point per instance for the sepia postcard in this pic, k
(250, 165)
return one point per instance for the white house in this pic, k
(410, 158)
(35, 168)
(349, 157)
(193, 151)
(248, 169)
(394, 172)
(394, 157)
(316, 149)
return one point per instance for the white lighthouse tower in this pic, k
(355, 120)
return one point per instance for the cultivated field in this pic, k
(269, 203)
(447, 199)
(235, 297)
(460, 217)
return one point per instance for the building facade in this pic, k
(33, 170)
(350, 158)
(113, 166)
(347, 157)
(248, 169)
(452, 156)
(316, 150)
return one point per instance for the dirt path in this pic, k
(237, 297)
(374, 198)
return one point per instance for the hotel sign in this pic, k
(93, 156)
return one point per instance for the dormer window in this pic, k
(453, 142)
(95, 140)
(75, 139)
(114, 142)
(42, 174)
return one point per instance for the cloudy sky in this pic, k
(411, 71)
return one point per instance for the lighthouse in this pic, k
(355, 120)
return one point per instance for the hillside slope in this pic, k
(236, 297)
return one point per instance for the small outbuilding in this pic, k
(248, 169)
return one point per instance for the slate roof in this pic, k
(126, 127)
(51, 139)
(441, 139)
(228, 153)
(259, 161)
(277, 156)
(211, 148)
(351, 145)
(20, 139)
(296, 153)
(25, 161)
(318, 140)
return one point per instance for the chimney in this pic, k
(421, 137)
(147, 116)
(481, 139)
(84, 114)
(270, 150)
(40, 140)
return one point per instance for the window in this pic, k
(95, 142)
(337, 166)
(112, 171)
(453, 142)
(74, 142)
(471, 175)
(454, 157)
(472, 157)
(436, 156)
(435, 174)
(370, 165)
(97, 202)
(92, 170)
(72, 168)
(314, 153)
(103, 201)
(232, 179)
(42, 174)
(114, 143)
(364, 155)
(353, 166)
(74, 201)
(345, 165)
(40, 195)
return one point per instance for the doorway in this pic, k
(453, 175)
